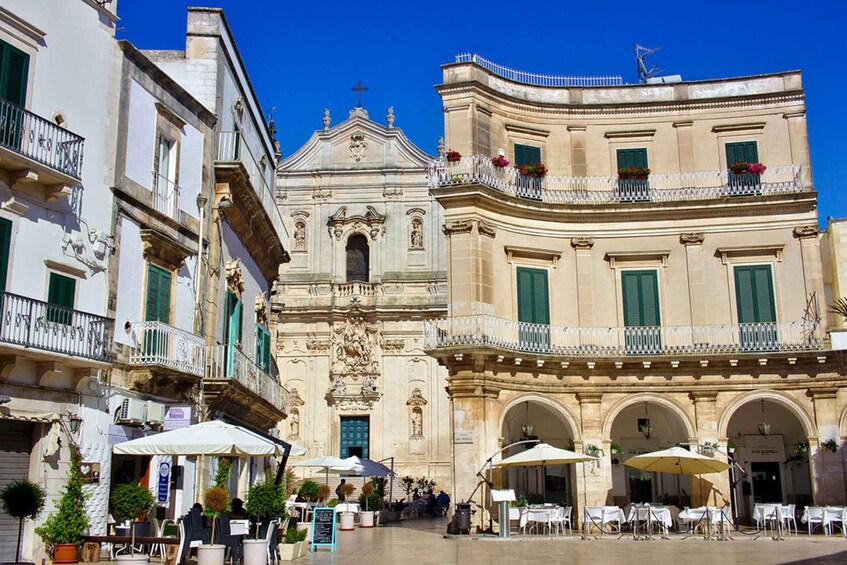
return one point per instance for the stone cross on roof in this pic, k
(360, 88)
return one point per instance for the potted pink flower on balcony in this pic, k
(500, 161)
(533, 169)
(640, 173)
(453, 156)
(743, 168)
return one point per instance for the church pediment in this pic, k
(356, 143)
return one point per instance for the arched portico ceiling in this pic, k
(547, 402)
(654, 399)
(774, 396)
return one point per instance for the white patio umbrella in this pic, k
(363, 467)
(327, 462)
(676, 460)
(206, 438)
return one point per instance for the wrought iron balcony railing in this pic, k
(232, 149)
(39, 325)
(537, 79)
(165, 196)
(157, 344)
(228, 362)
(39, 139)
(521, 337)
(658, 187)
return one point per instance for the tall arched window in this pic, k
(358, 258)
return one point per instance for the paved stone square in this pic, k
(422, 542)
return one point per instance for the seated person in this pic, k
(237, 511)
(416, 495)
(431, 503)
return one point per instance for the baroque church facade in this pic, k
(368, 265)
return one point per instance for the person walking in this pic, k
(339, 492)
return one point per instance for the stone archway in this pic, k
(538, 417)
(642, 424)
(774, 396)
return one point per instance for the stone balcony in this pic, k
(658, 187)
(427, 293)
(165, 356)
(40, 156)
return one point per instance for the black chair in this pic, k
(223, 536)
(196, 528)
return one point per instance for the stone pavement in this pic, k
(422, 542)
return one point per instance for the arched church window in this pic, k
(358, 258)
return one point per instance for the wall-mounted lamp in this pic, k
(74, 422)
(224, 203)
(201, 201)
(764, 427)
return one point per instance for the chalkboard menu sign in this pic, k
(323, 527)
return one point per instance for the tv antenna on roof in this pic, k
(641, 56)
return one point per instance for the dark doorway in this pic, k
(355, 436)
(767, 483)
(640, 486)
(358, 259)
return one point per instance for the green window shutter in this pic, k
(632, 158)
(14, 67)
(5, 245)
(747, 151)
(158, 294)
(533, 296)
(754, 294)
(267, 345)
(61, 293)
(263, 348)
(232, 322)
(525, 154)
(640, 291)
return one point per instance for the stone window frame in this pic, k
(642, 139)
(170, 126)
(750, 256)
(736, 133)
(640, 261)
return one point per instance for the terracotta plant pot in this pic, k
(211, 554)
(66, 553)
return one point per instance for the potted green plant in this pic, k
(215, 502)
(293, 544)
(830, 445)
(323, 493)
(533, 170)
(838, 337)
(310, 490)
(346, 517)
(637, 173)
(62, 531)
(261, 504)
(22, 499)
(130, 502)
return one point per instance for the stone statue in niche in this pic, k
(300, 236)
(294, 424)
(417, 422)
(417, 234)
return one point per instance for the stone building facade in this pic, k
(620, 311)
(367, 266)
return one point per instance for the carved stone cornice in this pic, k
(822, 393)
(485, 228)
(589, 397)
(692, 238)
(458, 227)
(802, 232)
(340, 223)
(703, 395)
(416, 400)
(582, 242)
(165, 249)
(393, 345)
(318, 345)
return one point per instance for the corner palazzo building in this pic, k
(597, 312)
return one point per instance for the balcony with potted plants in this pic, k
(640, 185)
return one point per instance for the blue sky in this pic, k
(304, 56)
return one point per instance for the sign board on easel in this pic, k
(323, 527)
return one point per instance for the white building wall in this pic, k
(131, 280)
(190, 169)
(141, 135)
(183, 315)
(254, 284)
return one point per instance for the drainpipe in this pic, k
(198, 280)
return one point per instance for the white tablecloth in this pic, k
(831, 514)
(693, 515)
(347, 507)
(239, 527)
(661, 514)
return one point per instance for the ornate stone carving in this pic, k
(485, 228)
(295, 399)
(390, 117)
(416, 236)
(582, 242)
(234, 276)
(416, 402)
(299, 236)
(357, 404)
(239, 105)
(318, 345)
(294, 424)
(393, 345)
(321, 194)
(801, 232)
(353, 345)
(261, 309)
(454, 228)
(164, 248)
(417, 399)
(440, 147)
(358, 146)
(339, 223)
(327, 120)
(692, 238)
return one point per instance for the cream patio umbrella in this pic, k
(327, 462)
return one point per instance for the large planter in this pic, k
(65, 553)
(366, 519)
(347, 523)
(839, 339)
(255, 551)
(289, 551)
(211, 554)
(132, 559)
(302, 548)
(306, 526)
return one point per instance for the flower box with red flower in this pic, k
(500, 161)
(639, 173)
(453, 156)
(533, 169)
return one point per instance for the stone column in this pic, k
(579, 167)
(685, 146)
(584, 280)
(826, 467)
(799, 140)
(696, 265)
(812, 267)
(712, 489)
(470, 267)
(595, 479)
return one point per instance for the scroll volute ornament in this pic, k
(234, 277)
(261, 309)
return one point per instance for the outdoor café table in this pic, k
(541, 515)
(764, 513)
(830, 514)
(239, 527)
(171, 545)
(649, 515)
(613, 514)
(695, 516)
(347, 507)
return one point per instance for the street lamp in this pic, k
(74, 421)
(764, 427)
